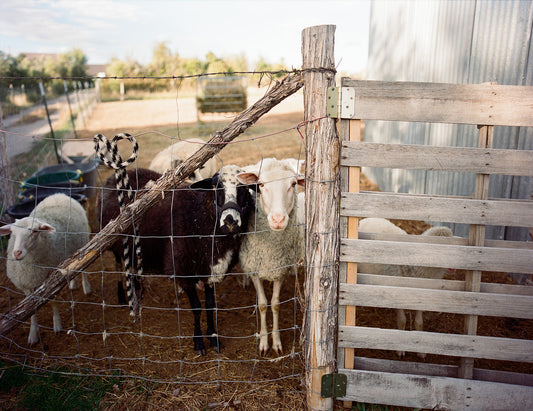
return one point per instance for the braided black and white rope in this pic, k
(105, 148)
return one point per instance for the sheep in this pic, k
(297, 165)
(381, 225)
(193, 234)
(274, 240)
(55, 229)
(176, 153)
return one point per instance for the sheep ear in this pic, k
(247, 178)
(205, 184)
(5, 229)
(46, 227)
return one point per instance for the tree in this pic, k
(164, 62)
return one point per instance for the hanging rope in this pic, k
(104, 148)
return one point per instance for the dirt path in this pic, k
(148, 113)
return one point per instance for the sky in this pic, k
(106, 29)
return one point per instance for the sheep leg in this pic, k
(276, 340)
(262, 306)
(56, 317)
(33, 337)
(209, 313)
(419, 325)
(401, 320)
(85, 284)
(196, 307)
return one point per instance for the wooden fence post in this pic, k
(322, 214)
(7, 196)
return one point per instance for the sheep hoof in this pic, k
(215, 343)
(401, 354)
(278, 350)
(201, 352)
(199, 347)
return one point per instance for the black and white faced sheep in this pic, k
(193, 234)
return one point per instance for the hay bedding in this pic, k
(238, 378)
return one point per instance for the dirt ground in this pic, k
(99, 337)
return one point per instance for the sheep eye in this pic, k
(261, 185)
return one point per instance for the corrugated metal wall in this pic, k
(451, 42)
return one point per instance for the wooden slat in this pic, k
(435, 392)
(457, 159)
(515, 213)
(433, 284)
(522, 245)
(440, 370)
(436, 255)
(486, 104)
(457, 345)
(457, 302)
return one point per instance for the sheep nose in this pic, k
(231, 224)
(278, 221)
(17, 254)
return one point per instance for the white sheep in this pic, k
(381, 225)
(298, 166)
(54, 230)
(176, 153)
(274, 240)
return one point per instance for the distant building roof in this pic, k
(98, 70)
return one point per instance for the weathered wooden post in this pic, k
(322, 214)
(7, 196)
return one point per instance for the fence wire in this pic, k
(98, 338)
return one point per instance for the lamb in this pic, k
(274, 240)
(381, 225)
(55, 229)
(193, 234)
(176, 153)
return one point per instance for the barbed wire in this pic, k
(175, 77)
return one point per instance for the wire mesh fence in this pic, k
(98, 337)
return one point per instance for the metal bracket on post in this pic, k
(341, 102)
(333, 385)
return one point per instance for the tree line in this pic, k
(165, 62)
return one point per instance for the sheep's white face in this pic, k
(24, 233)
(277, 193)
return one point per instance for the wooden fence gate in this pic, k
(425, 384)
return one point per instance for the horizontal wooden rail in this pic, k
(440, 370)
(457, 345)
(515, 213)
(483, 104)
(434, 392)
(434, 284)
(437, 255)
(524, 245)
(457, 302)
(457, 159)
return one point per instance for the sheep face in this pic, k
(24, 233)
(277, 193)
(233, 199)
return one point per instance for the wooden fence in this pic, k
(330, 206)
(425, 384)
